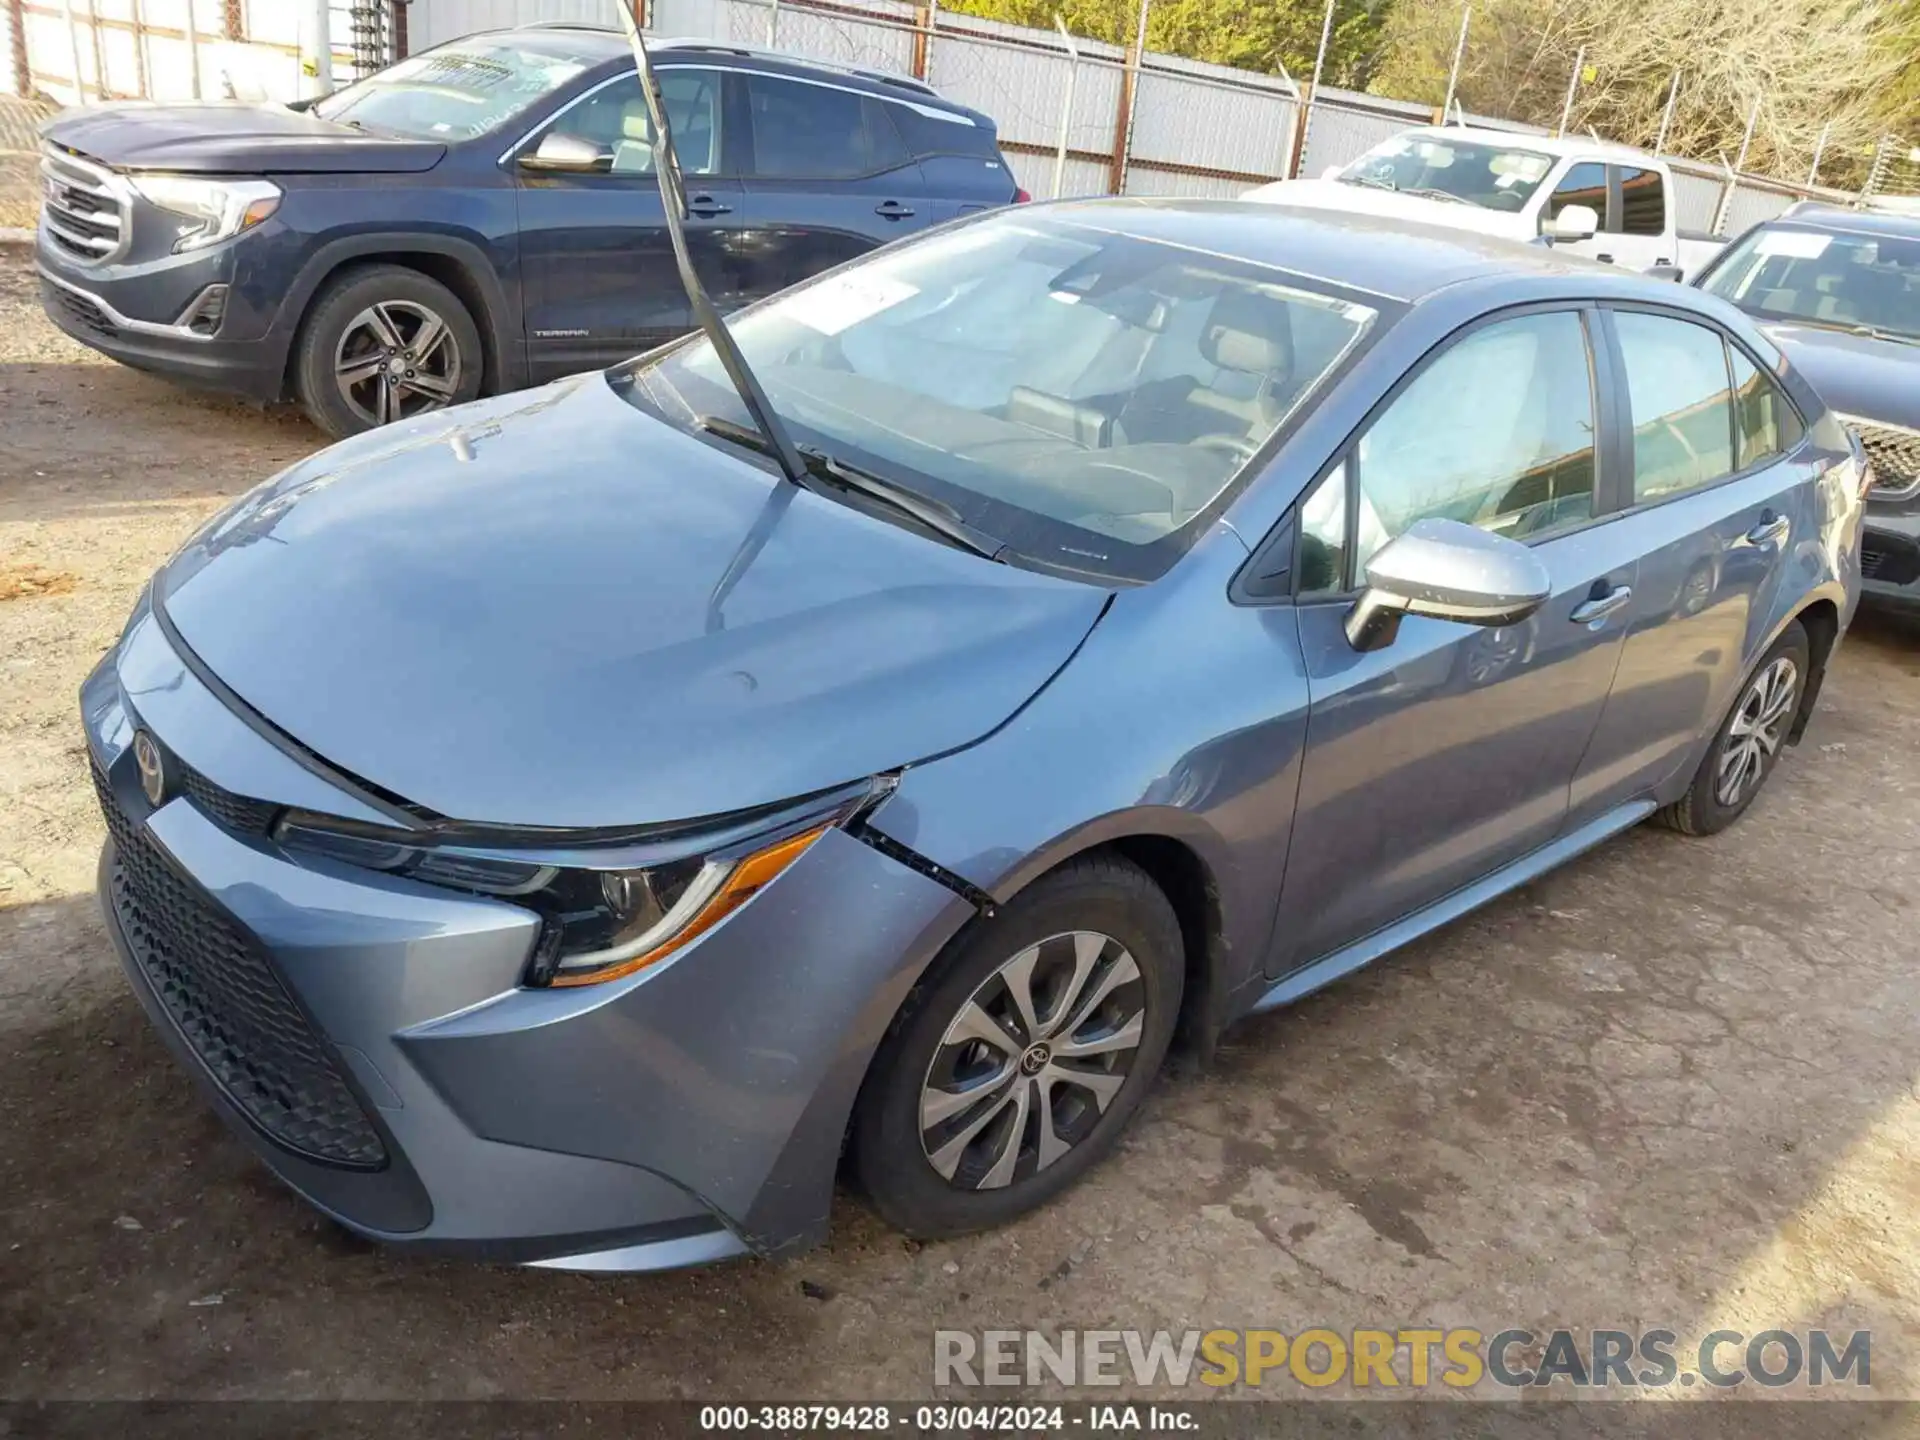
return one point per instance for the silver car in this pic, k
(553, 831)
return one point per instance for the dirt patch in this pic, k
(20, 581)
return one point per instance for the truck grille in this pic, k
(227, 1001)
(82, 210)
(1895, 453)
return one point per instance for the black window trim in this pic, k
(1611, 445)
(1607, 210)
(1790, 454)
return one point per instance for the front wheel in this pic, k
(384, 343)
(1012, 1069)
(1749, 741)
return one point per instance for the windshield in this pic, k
(1844, 279)
(1494, 177)
(1080, 395)
(453, 93)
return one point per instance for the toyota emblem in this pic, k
(153, 768)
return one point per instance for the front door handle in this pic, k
(707, 205)
(1769, 533)
(892, 210)
(1599, 606)
(1604, 259)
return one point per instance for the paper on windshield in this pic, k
(1794, 244)
(833, 305)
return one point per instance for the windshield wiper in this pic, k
(1874, 332)
(1369, 182)
(934, 515)
(1431, 194)
(673, 199)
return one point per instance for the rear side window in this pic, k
(930, 131)
(1765, 425)
(1585, 184)
(1682, 406)
(803, 131)
(1643, 201)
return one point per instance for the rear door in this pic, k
(828, 177)
(1721, 494)
(959, 157)
(1637, 217)
(597, 269)
(1449, 752)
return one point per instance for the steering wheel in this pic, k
(1235, 447)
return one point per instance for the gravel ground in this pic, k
(1674, 1084)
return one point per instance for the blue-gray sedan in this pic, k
(550, 833)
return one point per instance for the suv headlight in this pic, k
(608, 909)
(214, 210)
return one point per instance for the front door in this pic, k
(829, 178)
(1449, 752)
(1717, 507)
(597, 268)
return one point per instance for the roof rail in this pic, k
(878, 77)
(566, 25)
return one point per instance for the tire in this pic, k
(365, 315)
(1083, 923)
(1768, 700)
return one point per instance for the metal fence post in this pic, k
(1666, 120)
(101, 79)
(923, 25)
(73, 53)
(773, 25)
(1573, 88)
(142, 71)
(1066, 106)
(1819, 149)
(1459, 51)
(17, 35)
(1129, 91)
(1733, 171)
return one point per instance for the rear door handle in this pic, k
(893, 210)
(1599, 607)
(1769, 533)
(707, 205)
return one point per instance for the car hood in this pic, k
(233, 139)
(596, 619)
(1370, 200)
(1855, 374)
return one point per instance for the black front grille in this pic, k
(1893, 559)
(223, 994)
(1894, 453)
(223, 807)
(77, 308)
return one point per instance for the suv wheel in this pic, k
(1749, 741)
(384, 343)
(1012, 1069)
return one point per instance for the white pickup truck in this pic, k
(1599, 200)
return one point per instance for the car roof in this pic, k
(602, 44)
(1582, 145)
(1397, 259)
(1813, 216)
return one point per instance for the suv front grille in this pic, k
(1895, 454)
(82, 207)
(77, 308)
(223, 807)
(227, 1001)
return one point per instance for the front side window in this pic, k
(454, 92)
(616, 118)
(1583, 184)
(1677, 390)
(1497, 432)
(1080, 394)
(817, 132)
(1643, 201)
(1494, 177)
(1842, 280)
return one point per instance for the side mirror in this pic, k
(1332, 172)
(1448, 571)
(1575, 222)
(568, 154)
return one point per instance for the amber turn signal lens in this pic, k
(745, 880)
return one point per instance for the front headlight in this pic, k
(213, 210)
(608, 910)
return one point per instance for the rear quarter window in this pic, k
(927, 132)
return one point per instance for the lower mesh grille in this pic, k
(224, 996)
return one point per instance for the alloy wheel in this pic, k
(396, 359)
(1759, 725)
(1033, 1059)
